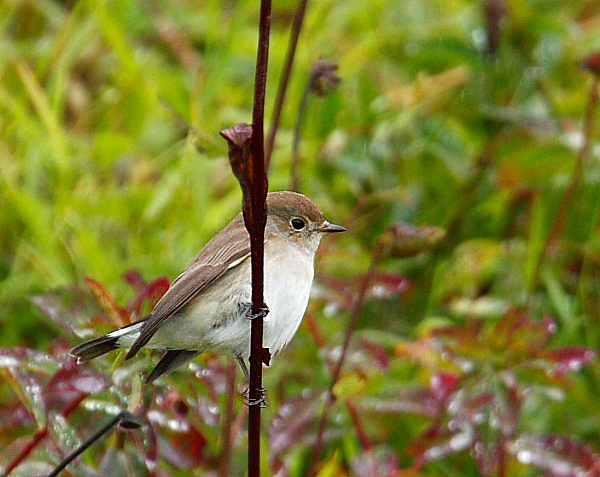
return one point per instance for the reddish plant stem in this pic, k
(238, 424)
(502, 463)
(258, 196)
(360, 430)
(330, 399)
(227, 430)
(311, 322)
(284, 79)
(247, 160)
(559, 218)
(294, 181)
(41, 433)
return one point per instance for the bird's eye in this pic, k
(298, 224)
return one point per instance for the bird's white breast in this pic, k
(288, 277)
(215, 320)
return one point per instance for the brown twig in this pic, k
(330, 399)
(227, 430)
(247, 159)
(258, 195)
(294, 182)
(320, 342)
(360, 430)
(321, 81)
(502, 461)
(559, 218)
(284, 79)
(250, 172)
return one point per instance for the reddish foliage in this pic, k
(479, 380)
(48, 383)
(118, 316)
(479, 406)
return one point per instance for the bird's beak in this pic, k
(331, 228)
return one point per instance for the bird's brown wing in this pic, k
(225, 251)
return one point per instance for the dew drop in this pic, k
(7, 361)
(525, 457)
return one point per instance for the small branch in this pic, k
(124, 417)
(226, 430)
(284, 79)
(494, 12)
(329, 401)
(321, 81)
(563, 207)
(320, 342)
(360, 430)
(247, 159)
(40, 434)
(296, 137)
(502, 461)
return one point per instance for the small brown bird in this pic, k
(207, 306)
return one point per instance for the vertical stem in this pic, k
(360, 430)
(258, 194)
(227, 431)
(296, 137)
(502, 463)
(284, 80)
(559, 218)
(338, 368)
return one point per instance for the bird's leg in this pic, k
(262, 400)
(244, 367)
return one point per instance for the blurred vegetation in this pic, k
(457, 114)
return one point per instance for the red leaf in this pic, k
(592, 63)
(134, 278)
(186, 441)
(387, 285)
(118, 316)
(71, 379)
(443, 384)
(151, 292)
(380, 354)
(13, 418)
(561, 456)
(569, 358)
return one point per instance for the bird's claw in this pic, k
(262, 312)
(260, 401)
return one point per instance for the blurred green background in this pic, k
(110, 157)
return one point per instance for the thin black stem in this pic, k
(123, 415)
(284, 79)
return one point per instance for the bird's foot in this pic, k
(260, 401)
(262, 312)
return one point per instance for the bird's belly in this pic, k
(211, 321)
(216, 319)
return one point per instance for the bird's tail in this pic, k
(106, 343)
